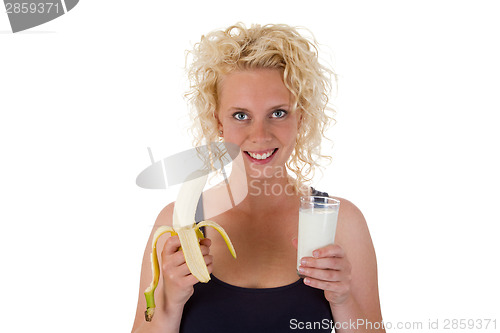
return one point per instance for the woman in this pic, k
(264, 89)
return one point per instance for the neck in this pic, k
(264, 193)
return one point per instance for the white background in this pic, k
(415, 148)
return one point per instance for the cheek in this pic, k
(232, 135)
(289, 139)
(293, 132)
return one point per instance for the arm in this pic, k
(175, 285)
(347, 271)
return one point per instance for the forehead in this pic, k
(252, 86)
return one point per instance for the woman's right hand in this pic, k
(178, 281)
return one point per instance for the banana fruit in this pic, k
(190, 246)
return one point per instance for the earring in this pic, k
(220, 133)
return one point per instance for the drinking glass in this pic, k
(317, 224)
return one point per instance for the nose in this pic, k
(260, 132)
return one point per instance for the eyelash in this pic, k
(280, 110)
(236, 114)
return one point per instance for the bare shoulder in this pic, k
(165, 215)
(350, 218)
(353, 233)
(348, 209)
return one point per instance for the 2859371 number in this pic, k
(25, 7)
(471, 324)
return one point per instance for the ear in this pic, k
(219, 124)
(220, 128)
(299, 118)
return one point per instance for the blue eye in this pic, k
(279, 113)
(240, 116)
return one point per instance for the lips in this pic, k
(262, 155)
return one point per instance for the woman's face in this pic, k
(255, 113)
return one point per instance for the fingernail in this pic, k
(301, 269)
(315, 254)
(303, 261)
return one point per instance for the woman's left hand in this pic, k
(329, 270)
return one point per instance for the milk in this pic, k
(316, 229)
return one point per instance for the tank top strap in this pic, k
(199, 215)
(317, 193)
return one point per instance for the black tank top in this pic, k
(219, 307)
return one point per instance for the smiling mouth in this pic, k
(263, 155)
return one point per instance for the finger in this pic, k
(332, 250)
(208, 259)
(171, 246)
(319, 284)
(206, 242)
(183, 276)
(205, 246)
(324, 263)
(336, 287)
(188, 280)
(177, 258)
(173, 260)
(323, 274)
(205, 250)
(210, 268)
(176, 273)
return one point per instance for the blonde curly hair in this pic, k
(275, 46)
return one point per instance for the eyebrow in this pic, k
(235, 108)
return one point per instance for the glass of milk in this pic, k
(317, 224)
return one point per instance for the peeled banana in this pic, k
(190, 246)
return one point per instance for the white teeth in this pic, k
(261, 156)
